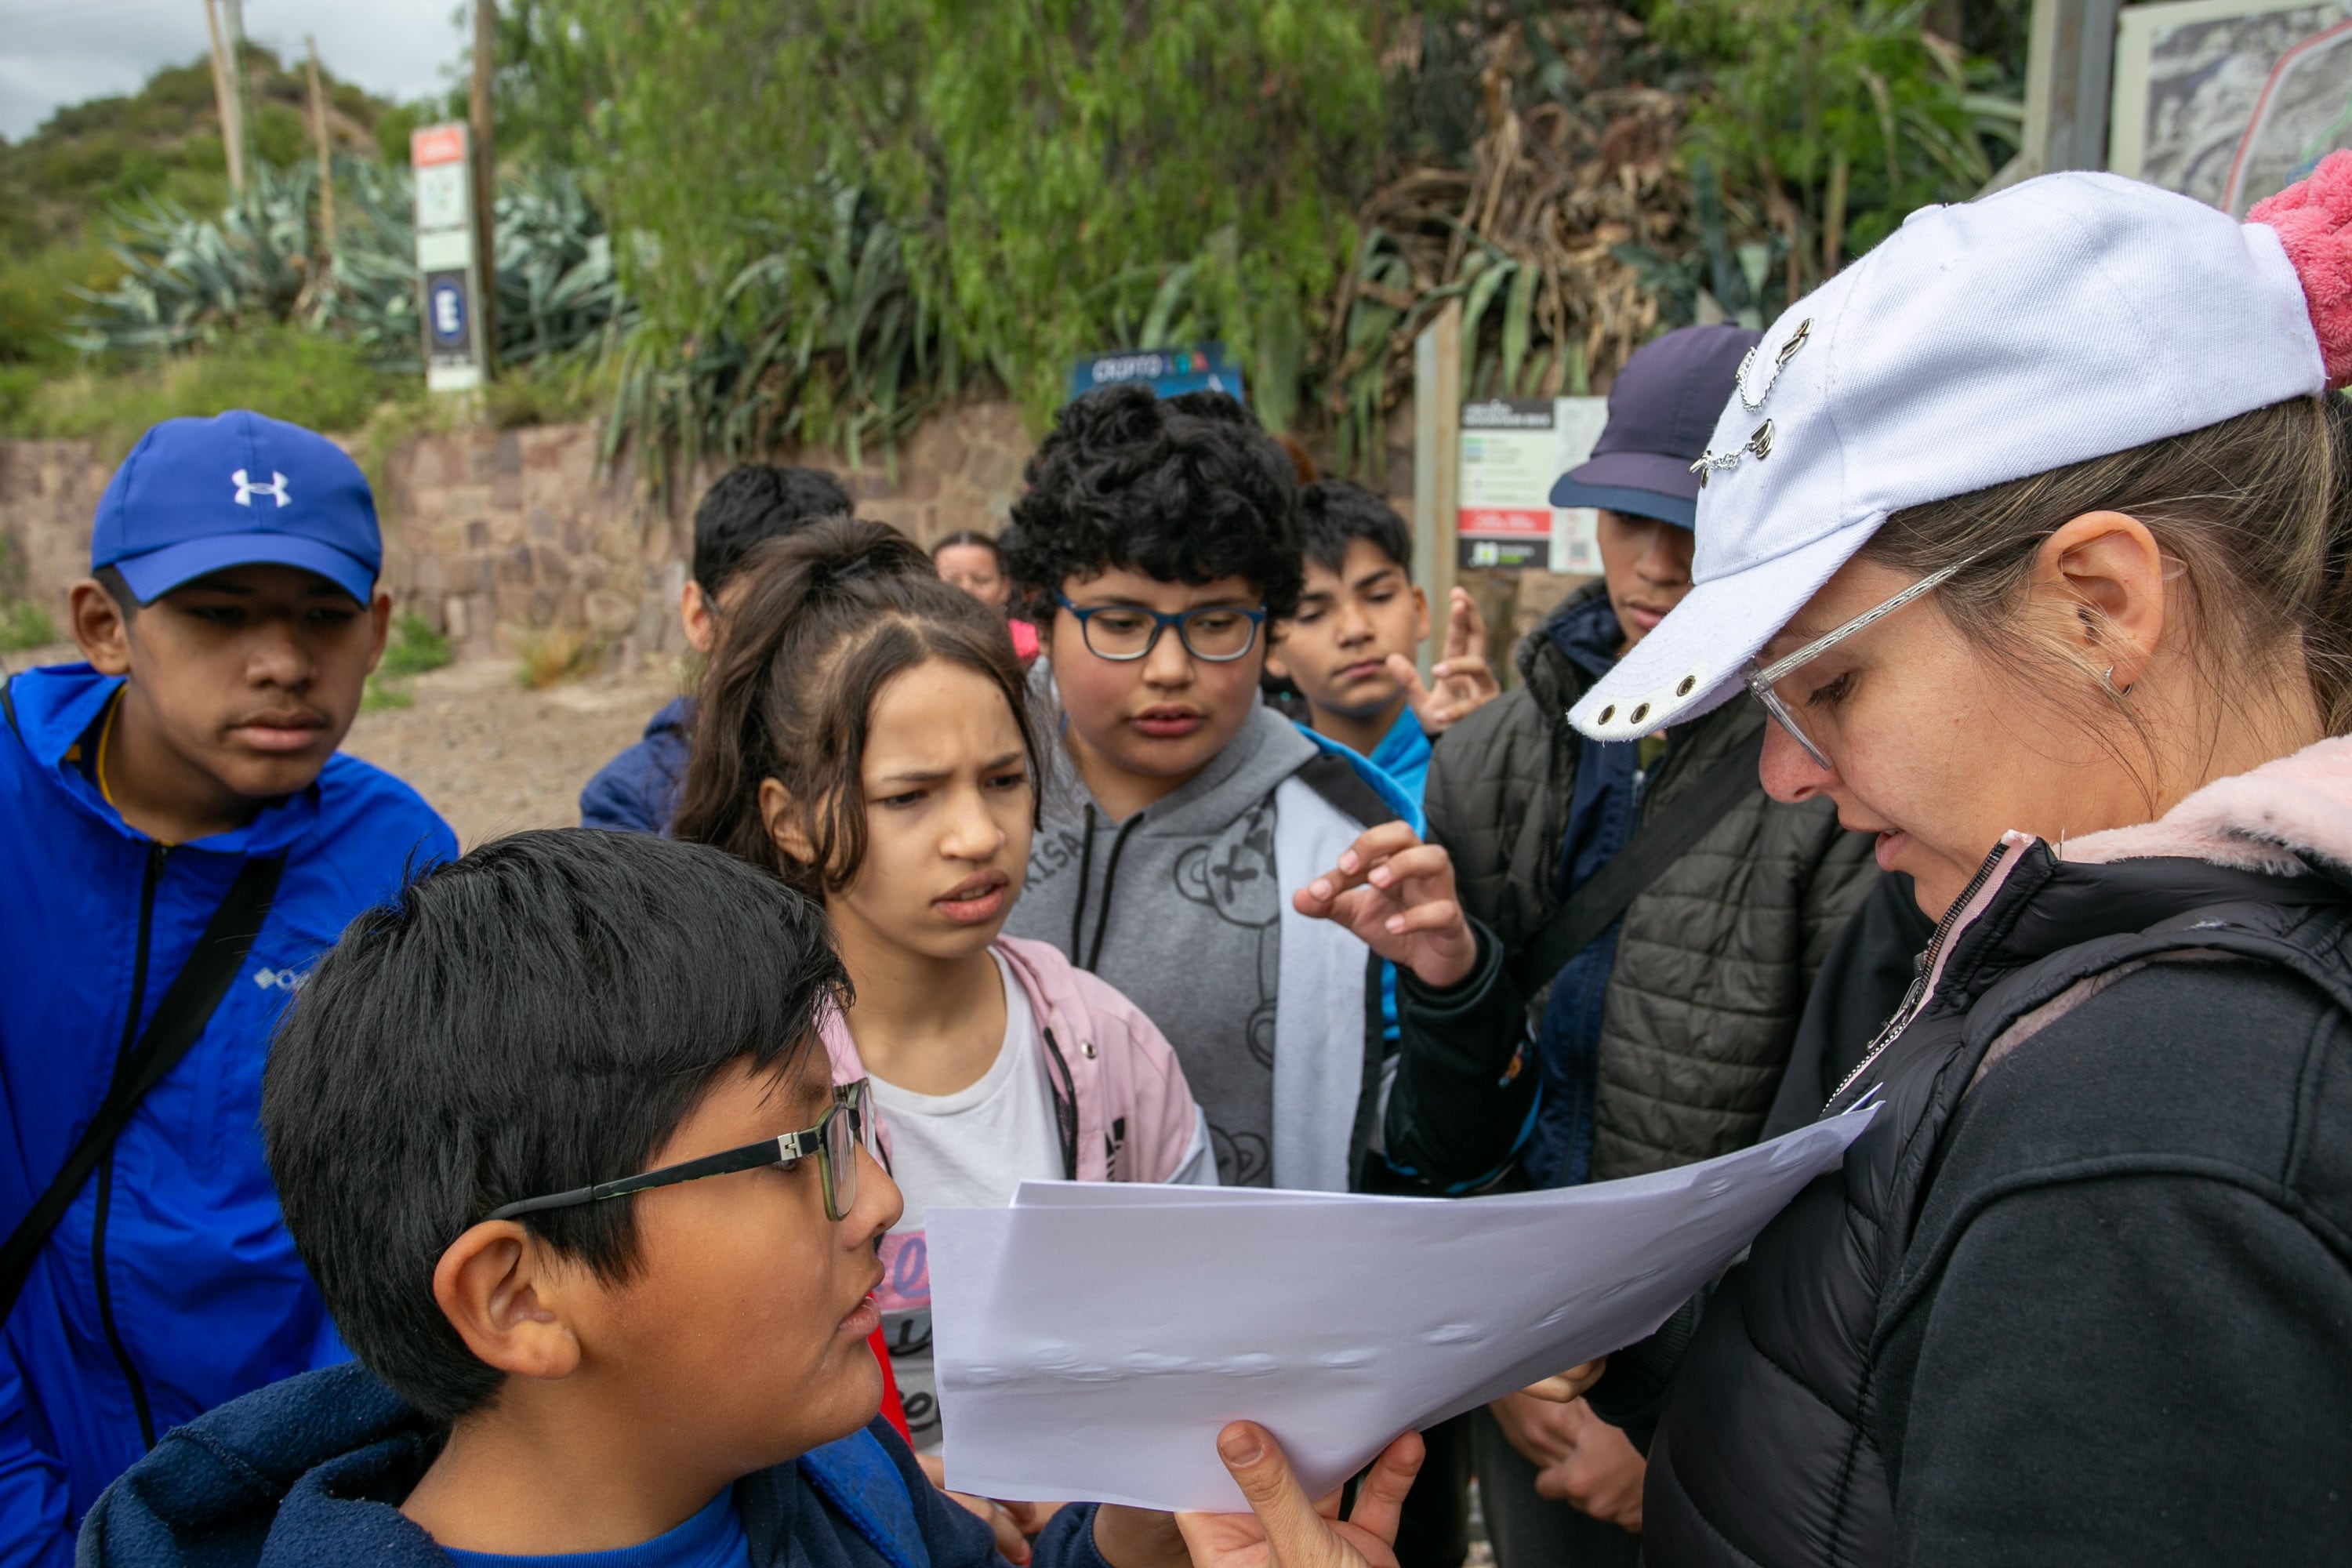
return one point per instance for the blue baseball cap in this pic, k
(1661, 410)
(198, 495)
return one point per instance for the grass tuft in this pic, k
(555, 654)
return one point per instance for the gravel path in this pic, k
(492, 757)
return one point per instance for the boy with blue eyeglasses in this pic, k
(1156, 542)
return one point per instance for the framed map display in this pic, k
(2229, 100)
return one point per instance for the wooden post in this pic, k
(2070, 58)
(486, 26)
(1437, 463)
(326, 166)
(227, 103)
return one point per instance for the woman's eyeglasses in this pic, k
(1763, 679)
(833, 1144)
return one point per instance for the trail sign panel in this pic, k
(1201, 367)
(448, 258)
(1512, 451)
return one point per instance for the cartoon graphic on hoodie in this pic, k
(1285, 1027)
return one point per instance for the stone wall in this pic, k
(494, 536)
(48, 493)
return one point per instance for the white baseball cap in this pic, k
(2061, 320)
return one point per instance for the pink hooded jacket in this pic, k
(1125, 1111)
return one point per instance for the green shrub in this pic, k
(414, 648)
(1816, 126)
(317, 382)
(24, 626)
(381, 694)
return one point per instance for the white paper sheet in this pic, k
(1090, 1342)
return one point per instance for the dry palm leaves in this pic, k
(1525, 238)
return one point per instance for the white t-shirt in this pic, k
(966, 1150)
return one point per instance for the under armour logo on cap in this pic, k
(165, 518)
(247, 489)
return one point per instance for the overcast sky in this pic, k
(55, 52)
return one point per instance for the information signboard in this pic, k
(2229, 100)
(448, 274)
(1512, 452)
(1201, 367)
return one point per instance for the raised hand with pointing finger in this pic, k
(1396, 893)
(1460, 683)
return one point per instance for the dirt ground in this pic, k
(488, 755)
(492, 757)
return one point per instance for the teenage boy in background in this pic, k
(636, 792)
(1664, 1024)
(1156, 539)
(1350, 649)
(183, 840)
(665, 1372)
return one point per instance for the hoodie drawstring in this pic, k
(1086, 876)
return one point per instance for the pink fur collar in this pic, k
(2266, 820)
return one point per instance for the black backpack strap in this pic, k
(188, 1006)
(8, 706)
(1335, 779)
(1668, 830)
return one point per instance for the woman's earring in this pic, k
(2107, 681)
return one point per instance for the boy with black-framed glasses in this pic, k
(1155, 543)
(554, 1133)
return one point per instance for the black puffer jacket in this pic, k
(2083, 1293)
(1712, 959)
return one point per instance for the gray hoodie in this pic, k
(1185, 907)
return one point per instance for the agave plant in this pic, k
(186, 279)
(824, 342)
(185, 275)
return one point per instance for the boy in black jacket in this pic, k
(670, 1367)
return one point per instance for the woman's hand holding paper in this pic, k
(1284, 1529)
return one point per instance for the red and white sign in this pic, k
(431, 144)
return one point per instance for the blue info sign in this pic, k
(1202, 367)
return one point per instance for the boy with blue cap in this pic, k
(183, 840)
(1640, 907)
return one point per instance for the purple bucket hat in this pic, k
(1662, 410)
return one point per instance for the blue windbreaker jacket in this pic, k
(171, 1285)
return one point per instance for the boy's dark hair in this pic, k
(537, 1017)
(829, 616)
(1332, 513)
(752, 504)
(970, 536)
(1186, 489)
(127, 602)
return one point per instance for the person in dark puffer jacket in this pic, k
(1663, 1041)
(2082, 1291)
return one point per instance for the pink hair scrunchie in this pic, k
(2314, 220)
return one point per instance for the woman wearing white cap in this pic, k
(2032, 532)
